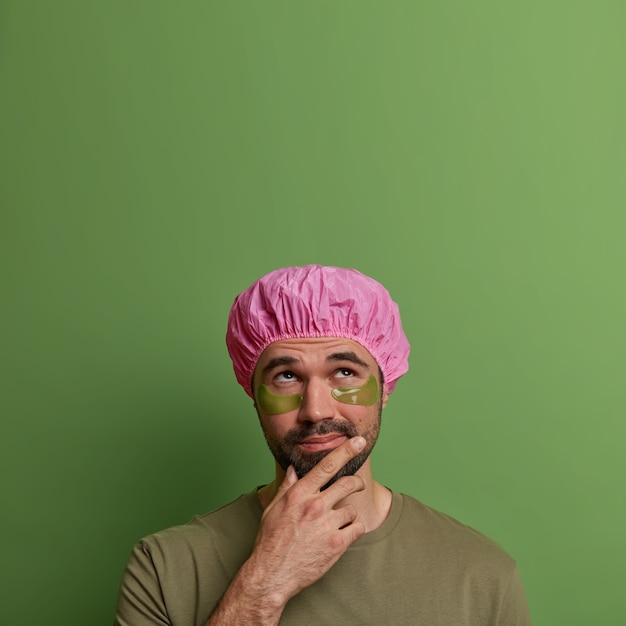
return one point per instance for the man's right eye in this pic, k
(284, 377)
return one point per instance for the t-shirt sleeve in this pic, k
(140, 600)
(514, 608)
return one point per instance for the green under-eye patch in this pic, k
(366, 395)
(275, 404)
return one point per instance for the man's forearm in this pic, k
(248, 601)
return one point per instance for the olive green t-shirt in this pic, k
(420, 567)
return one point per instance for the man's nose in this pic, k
(317, 402)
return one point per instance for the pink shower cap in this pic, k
(316, 301)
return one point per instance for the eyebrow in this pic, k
(278, 362)
(347, 356)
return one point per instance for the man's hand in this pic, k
(303, 533)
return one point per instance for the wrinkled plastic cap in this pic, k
(316, 301)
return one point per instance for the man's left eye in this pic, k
(344, 372)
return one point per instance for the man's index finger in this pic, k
(333, 462)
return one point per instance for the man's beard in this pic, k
(287, 452)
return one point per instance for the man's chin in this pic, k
(305, 463)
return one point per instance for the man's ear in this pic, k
(385, 396)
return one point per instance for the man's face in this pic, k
(313, 368)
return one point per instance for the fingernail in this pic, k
(358, 443)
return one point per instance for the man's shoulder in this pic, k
(190, 565)
(238, 519)
(245, 510)
(447, 537)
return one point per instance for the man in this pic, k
(319, 350)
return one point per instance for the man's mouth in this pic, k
(322, 442)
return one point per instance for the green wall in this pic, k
(157, 157)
